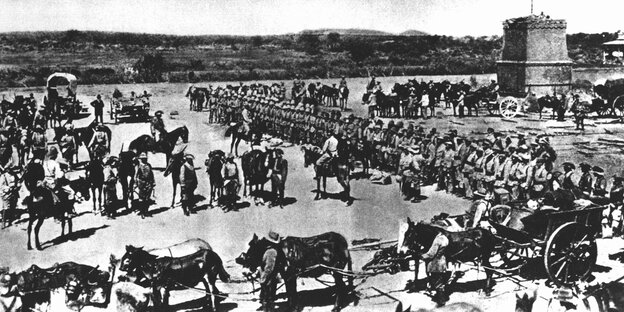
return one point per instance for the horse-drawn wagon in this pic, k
(135, 107)
(60, 99)
(565, 240)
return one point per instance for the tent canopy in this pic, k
(64, 80)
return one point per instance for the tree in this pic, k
(333, 40)
(360, 50)
(150, 67)
(256, 41)
(309, 43)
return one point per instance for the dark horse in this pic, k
(550, 102)
(314, 256)
(83, 136)
(214, 164)
(255, 165)
(337, 167)
(173, 168)
(126, 174)
(146, 143)
(166, 273)
(41, 205)
(467, 246)
(95, 178)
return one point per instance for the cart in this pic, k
(129, 107)
(60, 98)
(565, 240)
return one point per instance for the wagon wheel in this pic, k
(509, 107)
(618, 106)
(499, 213)
(570, 254)
(514, 256)
(493, 108)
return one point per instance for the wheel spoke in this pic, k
(561, 268)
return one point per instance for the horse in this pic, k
(343, 97)
(166, 273)
(330, 94)
(126, 174)
(235, 131)
(255, 165)
(173, 168)
(465, 246)
(337, 167)
(314, 256)
(83, 136)
(41, 205)
(214, 164)
(551, 102)
(95, 178)
(146, 143)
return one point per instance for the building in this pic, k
(613, 51)
(534, 57)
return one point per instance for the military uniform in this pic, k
(157, 128)
(144, 185)
(188, 184)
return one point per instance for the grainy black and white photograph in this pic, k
(311, 155)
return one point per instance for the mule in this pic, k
(41, 205)
(214, 164)
(313, 256)
(475, 244)
(34, 284)
(146, 143)
(166, 273)
(337, 167)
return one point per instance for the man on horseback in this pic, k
(157, 126)
(68, 144)
(144, 183)
(273, 261)
(329, 151)
(100, 143)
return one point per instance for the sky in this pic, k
(266, 17)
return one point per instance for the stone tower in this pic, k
(535, 56)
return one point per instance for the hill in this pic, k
(413, 32)
(346, 32)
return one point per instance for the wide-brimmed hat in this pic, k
(568, 165)
(111, 160)
(273, 237)
(189, 157)
(158, 113)
(143, 155)
(597, 170)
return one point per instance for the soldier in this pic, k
(541, 176)
(110, 186)
(144, 184)
(68, 144)
(230, 181)
(568, 183)
(98, 108)
(9, 192)
(329, 151)
(435, 260)
(447, 174)
(515, 177)
(279, 173)
(157, 126)
(273, 262)
(490, 169)
(188, 184)
(39, 119)
(616, 197)
(585, 182)
(599, 187)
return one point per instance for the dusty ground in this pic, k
(376, 212)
